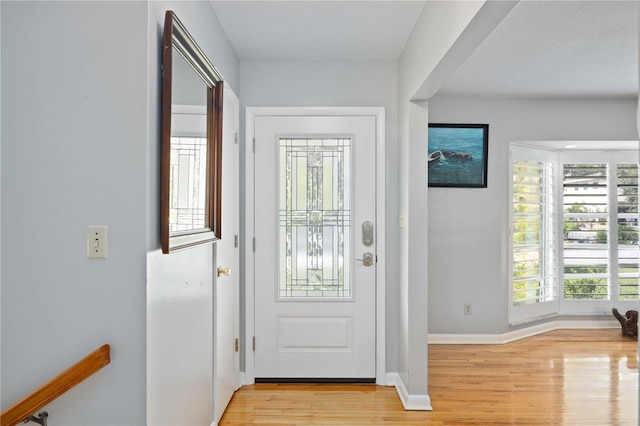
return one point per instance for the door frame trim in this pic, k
(249, 317)
(229, 97)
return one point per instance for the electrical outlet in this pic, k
(467, 308)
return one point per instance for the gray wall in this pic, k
(74, 141)
(80, 146)
(322, 83)
(468, 228)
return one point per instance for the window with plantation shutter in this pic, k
(574, 232)
(585, 203)
(600, 243)
(628, 251)
(534, 277)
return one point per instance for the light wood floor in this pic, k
(565, 377)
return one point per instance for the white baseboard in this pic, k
(409, 402)
(499, 339)
(391, 379)
(244, 380)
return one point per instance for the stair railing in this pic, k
(22, 411)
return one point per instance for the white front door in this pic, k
(226, 368)
(315, 255)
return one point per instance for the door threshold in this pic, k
(316, 380)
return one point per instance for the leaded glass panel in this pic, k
(314, 218)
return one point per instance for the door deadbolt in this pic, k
(367, 233)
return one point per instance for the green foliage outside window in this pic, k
(585, 288)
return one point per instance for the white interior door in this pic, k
(226, 295)
(315, 255)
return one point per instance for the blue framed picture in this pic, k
(457, 155)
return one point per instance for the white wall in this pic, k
(74, 101)
(438, 28)
(436, 31)
(468, 228)
(179, 285)
(322, 83)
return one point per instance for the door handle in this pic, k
(367, 259)
(224, 271)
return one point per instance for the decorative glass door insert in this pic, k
(315, 218)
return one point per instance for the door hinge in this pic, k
(254, 343)
(254, 145)
(254, 243)
(235, 241)
(237, 345)
(235, 138)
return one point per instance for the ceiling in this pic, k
(542, 49)
(556, 49)
(318, 30)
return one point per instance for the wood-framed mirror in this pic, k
(191, 159)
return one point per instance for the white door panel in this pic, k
(226, 294)
(315, 302)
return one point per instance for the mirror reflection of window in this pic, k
(188, 158)
(188, 174)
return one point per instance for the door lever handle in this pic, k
(367, 259)
(224, 271)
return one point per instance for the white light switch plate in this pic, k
(97, 242)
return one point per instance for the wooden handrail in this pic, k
(55, 387)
